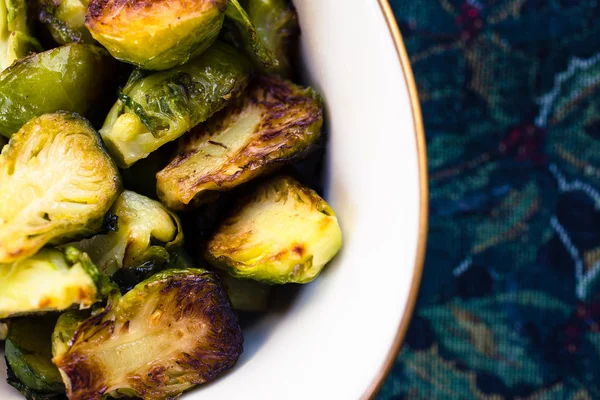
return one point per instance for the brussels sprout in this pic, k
(246, 295)
(146, 230)
(48, 281)
(65, 19)
(156, 108)
(240, 31)
(3, 330)
(56, 182)
(276, 24)
(158, 34)
(15, 40)
(28, 352)
(28, 393)
(170, 333)
(65, 328)
(275, 123)
(57, 79)
(282, 232)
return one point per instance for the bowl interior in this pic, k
(331, 340)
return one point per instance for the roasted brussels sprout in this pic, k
(146, 231)
(3, 330)
(56, 183)
(275, 123)
(65, 19)
(156, 108)
(276, 24)
(281, 233)
(50, 280)
(57, 79)
(28, 352)
(158, 34)
(246, 295)
(15, 39)
(240, 31)
(170, 333)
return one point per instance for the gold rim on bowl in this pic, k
(377, 382)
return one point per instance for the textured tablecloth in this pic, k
(509, 305)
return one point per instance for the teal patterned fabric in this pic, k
(509, 306)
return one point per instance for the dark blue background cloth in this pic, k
(509, 306)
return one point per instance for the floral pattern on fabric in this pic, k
(509, 306)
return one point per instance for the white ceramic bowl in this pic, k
(340, 336)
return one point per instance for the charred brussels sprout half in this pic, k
(56, 182)
(158, 34)
(15, 39)
(55, 80)
(29, 354)
(65, 19)
(51, 280)
(276, 24)
(275, 123)
(171, 332)
(156, 108)
(281, 233)
(145, 233)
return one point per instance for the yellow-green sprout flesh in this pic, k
(65, 19)
(51, 280)
(281, 233)
(146, 231)
(28, 352)
(170, 333)
(274, 123)
(156, 108)
(15, 39)
(158, 34)
(55, 80)
(56, 183)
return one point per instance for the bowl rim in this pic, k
(415, 284)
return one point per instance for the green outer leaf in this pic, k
(249, 37)
(29, 352)
(28, 393)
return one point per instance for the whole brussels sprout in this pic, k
(145, 233)
(15, 39)
(156, 108)
(158, 34)
(65, 19)
(281, 233)
(55, 80)
(170, 333)
(28, 353)
(56, 183)
(274, 123)
(51, 280)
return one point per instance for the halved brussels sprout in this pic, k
(15, 40)
(146, 231)
(55, 80)
(171, 332)
(156, 108)
(158, 34)
(275, 123)
(243, 34)
(65, 19)
(282, 232)
(28, 351)
(56, 182)
(246, 295)
(51, 280)
(276, 24)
